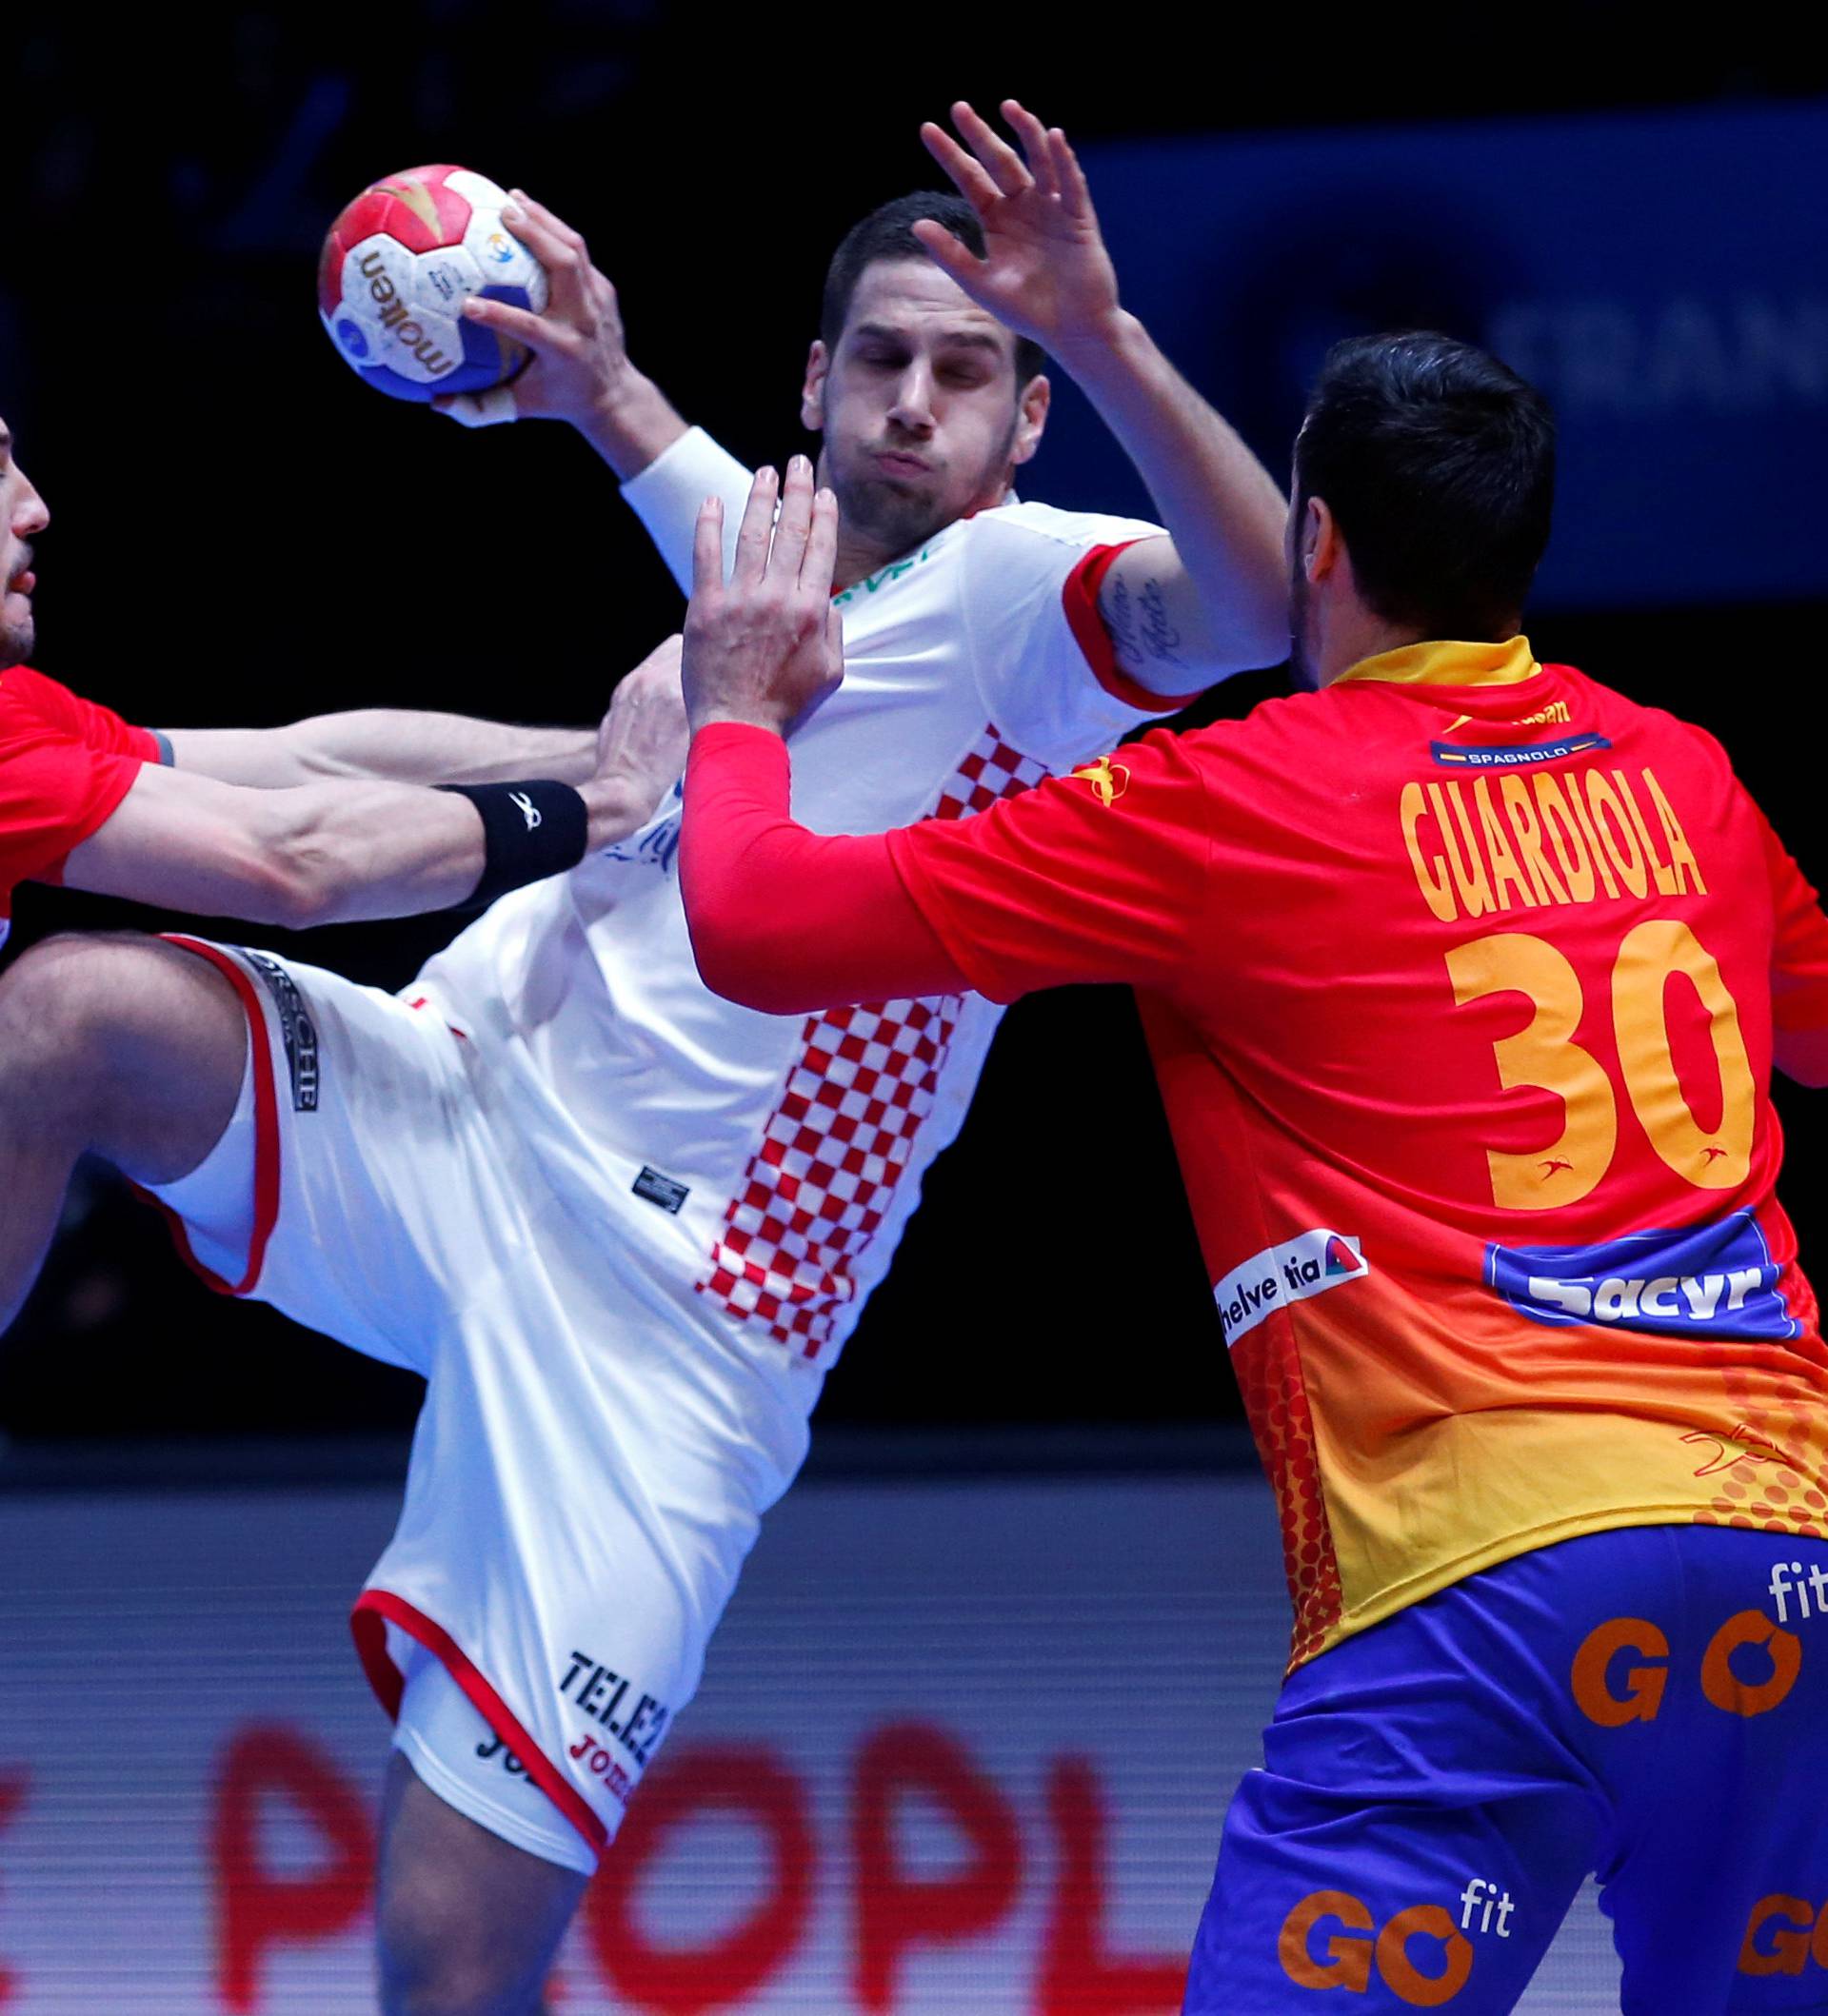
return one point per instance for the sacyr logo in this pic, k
(1308, 1264)
(1713, 1280)
(500, 248)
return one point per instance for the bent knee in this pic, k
(54, 1003)
(136, 1044)
(64, 995)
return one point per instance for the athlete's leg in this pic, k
(536, 1692)
(466, 1925)
(1420, 1827)
(115, 1045)
(1716, 1731)
(1403, 1903)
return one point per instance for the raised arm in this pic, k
(1213, 598)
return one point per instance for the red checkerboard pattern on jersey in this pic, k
(835, 1148)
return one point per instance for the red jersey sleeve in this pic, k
(86, 720)
(1098, 876)
(65, 765)
(1799, 967)
(783, 920)
(1080, 598)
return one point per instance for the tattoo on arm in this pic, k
(1120, 618)
(1160, 638)
(1140, 626)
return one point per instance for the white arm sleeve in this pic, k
(667, 493)
(1047, 696)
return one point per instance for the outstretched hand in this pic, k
(1045, 271)
(767, 647)
(640, 744)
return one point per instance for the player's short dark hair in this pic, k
(1438, 464)
(886, 233)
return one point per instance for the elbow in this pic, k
(1250, 638)
(1261, 631)
(1256, 626)
(264, 888)
(302, 882)
(1804, 1061)
(730, 938)
(744, 966)
(308, 903)
(734, 978)
(298, 897)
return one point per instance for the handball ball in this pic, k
(394, 273)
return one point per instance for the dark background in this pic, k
(242, 534)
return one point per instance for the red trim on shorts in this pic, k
(1078, 595)
(265, 1130)
(375, 1609)
(422, 1000)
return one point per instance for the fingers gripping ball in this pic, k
(396, 269)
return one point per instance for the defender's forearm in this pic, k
(384, 745)
(373, 850)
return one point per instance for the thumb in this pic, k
(479, 409)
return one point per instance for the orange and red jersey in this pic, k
(64, 766)
(1464, 978)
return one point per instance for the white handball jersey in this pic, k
(769, 1162)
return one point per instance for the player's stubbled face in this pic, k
(918, 406)
(22, 514)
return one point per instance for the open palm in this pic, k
(1045, 271)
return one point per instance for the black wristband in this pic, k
(531, 828)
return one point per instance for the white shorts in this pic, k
(454, 1752)
(596, 1447)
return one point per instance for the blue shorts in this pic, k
(1650, 1705)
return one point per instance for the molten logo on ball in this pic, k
(396, 269)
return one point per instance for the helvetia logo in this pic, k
(1306, 1265)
